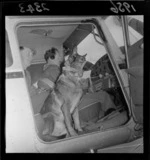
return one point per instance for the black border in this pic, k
(76, 8)
(80, 8)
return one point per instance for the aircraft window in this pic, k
(114, 26)
(135, 28)
(93, 49)
(9, 60)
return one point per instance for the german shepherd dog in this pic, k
(60, 109)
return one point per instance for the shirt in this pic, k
(52, 72)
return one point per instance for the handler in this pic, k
(51, 71)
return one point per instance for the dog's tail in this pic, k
(49, 138)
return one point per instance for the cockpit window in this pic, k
(135, 28)
(9, 59)
(135, 24)
(93, 49)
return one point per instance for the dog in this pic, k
(60, 109)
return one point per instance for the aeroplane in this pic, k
(114, 47)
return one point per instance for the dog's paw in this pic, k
(80, 130)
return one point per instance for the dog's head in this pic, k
(78, 61)
(75, 63)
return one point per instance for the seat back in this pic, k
(36, 71)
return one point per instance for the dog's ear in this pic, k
(74, 52)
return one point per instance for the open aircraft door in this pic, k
(132, 86)
(134, 57)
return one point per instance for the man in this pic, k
(51, 69)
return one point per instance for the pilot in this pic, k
(51, 71)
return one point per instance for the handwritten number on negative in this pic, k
(36, 7)
(21, 8)
(44, 8)
(122, 7)
(30, 8)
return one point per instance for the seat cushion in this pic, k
(101, 96)
(38, 101)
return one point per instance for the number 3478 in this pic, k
(35, 7)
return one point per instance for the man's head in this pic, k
(27, 56)
(53, 56)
